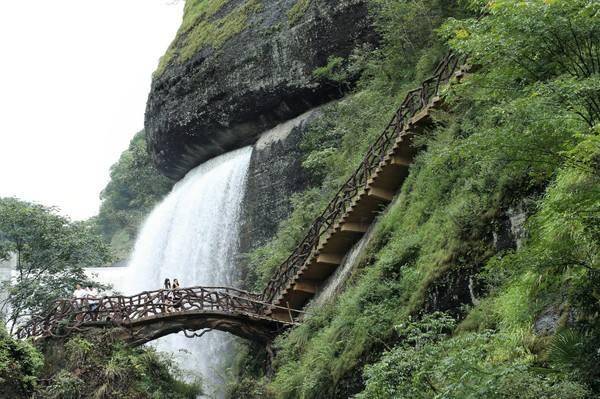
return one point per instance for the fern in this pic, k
(568, 351)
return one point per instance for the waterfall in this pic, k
(7, 272)
(192, 235)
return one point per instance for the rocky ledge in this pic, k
(240, 67)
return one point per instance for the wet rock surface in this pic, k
(450, 291)
(509, 230)
(274, 175)
(547, 322)
(222, 99)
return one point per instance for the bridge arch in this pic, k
(257, 329)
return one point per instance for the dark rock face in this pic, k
(274, 175)
(547, 322)
(222, 99)
(509, 231)
(450, 291)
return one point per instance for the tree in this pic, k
(135, 187)
(552, 43)
(51, 253)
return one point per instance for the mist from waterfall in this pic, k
(192, 235)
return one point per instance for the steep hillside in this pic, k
(482, 279)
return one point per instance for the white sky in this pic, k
(74, 78)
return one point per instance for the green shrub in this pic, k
(20, 364)
(430, 365)
(65, 385)
(97, 367)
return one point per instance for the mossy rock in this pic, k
(239, 67)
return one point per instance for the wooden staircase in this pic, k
(379, 187)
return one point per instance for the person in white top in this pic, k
(79, 292)
(91, 292)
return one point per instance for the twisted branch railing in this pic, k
(415, 101)
(68, 315)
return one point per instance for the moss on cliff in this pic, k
(201, 28)
(199, 9)
(297, 11)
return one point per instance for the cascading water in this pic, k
(192, 236)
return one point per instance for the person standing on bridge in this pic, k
(176, 295)
(92, 298)
(166, 297)
(79, 294)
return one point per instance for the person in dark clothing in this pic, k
(167, 300)
(92, 299)
(176, 294)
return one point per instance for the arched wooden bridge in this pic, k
(154, 314)
(260, 317)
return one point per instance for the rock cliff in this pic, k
(274, 175)
(240, 67)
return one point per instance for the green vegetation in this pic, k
(201, 28)
(20, 364)
(521, 133)
(439, 306)
(429, 363)
(297, 11)
(90, 367)
(51, 252)
(97, 367)
(135, 187)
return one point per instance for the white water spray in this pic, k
(192, 235)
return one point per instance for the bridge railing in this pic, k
(66, 315)
(415, 101)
